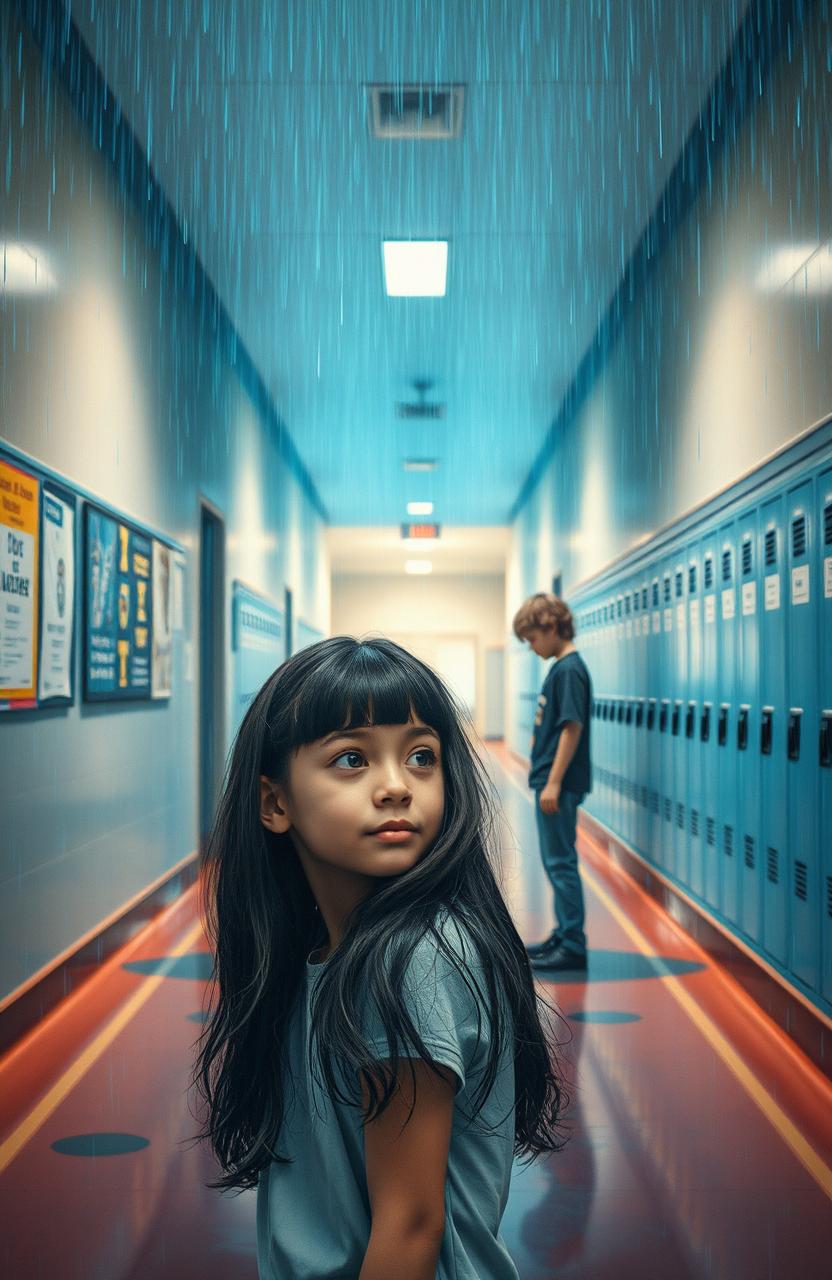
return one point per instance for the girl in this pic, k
(375, 1057)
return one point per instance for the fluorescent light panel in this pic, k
(418, 566)
(415, 268)
(420, 464)
(420, 508)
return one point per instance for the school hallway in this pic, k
(700, 1137)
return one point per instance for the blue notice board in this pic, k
(258, 641)
(306, 635)
(118, 608)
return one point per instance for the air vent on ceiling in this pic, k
(429, 112)
(419, 409)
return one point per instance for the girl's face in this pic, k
(344, 789)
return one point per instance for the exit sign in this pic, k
(420, 530)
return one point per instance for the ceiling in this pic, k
(254, 116)
(381, 549)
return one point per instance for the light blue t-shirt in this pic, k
(313, 1216)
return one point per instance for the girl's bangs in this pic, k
(370, 685)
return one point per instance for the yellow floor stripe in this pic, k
(82, 1064)
(791, 1135)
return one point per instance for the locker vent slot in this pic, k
(726, 565)
(627, 605)
(667, 588)
(829, 896)
(771, 548)
(709, 573)
(644, 598)
(799, 536)
(654, 802)
(692, 579)
(749, 852)
(728, 841)
(668, 809)
(655, 595)
(827, 524)
(801, 881)
(679, 584)
(694, 822)
(680, 816)
(643, 797)
(710, 831)
(772, 865)
(746, 558)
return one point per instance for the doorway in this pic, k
(211, 716)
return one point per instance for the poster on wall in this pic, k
(57, 627)
(19, 529)
(118, 595)
(162, 659)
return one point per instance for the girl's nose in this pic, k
(393, 789)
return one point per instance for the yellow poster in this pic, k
(19, 528)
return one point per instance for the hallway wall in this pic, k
(723, 355)
(119, 377)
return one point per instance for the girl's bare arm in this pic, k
(406, 1168)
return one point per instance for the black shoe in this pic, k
(561, 961)
(546, 947)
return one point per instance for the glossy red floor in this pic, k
(701, 1139)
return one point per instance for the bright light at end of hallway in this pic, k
(415, 268)
(418, 566)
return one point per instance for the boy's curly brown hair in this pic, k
(545, 611)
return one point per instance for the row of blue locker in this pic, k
(711, 659)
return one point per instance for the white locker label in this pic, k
(729, 604)
(657, 626)
(800, 584)
(680, 616)
(694, 613)
(645, 624)
(628, 628)
(749, 598)
(772, 597)
(668, 619)
(827, 577)
(710, 608)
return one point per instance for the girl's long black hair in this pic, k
(262, 918)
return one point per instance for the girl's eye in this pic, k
(354, 760)
(428, 757)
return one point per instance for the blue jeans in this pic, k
(556, 832)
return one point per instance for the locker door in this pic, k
(773, 664)
(708, 720)
(825, 726)
(664, 853)
(652, 721)
(678, 725)
(748, 730)
(627, 814)
(642, 759)
(803, 716)
(727, 720)
(692, 724)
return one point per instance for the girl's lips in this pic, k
(392, 837)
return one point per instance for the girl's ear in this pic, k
(273, 813)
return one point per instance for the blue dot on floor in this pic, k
(602, 1015)
(194, 964)
(100, 1144)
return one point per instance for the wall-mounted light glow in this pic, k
(415, 268)
(420, 464)
(418, 566)
(807, 267)
(24, 268)
(420, 508)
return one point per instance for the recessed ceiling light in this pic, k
(24, 268)
(415, 268)
(420, 508)
(420, 464)
(418, 566)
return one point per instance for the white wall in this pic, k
(433, 605)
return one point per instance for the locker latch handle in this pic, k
(651, 713)
(767, 730)
(793, 738)
(690, 720)
(663, 717)
(639, 714)
(674, 723)
(825, 755)
(621, 713)
(705, 726)
(742, 729)
(722, 730)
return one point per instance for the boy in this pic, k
(559, 771)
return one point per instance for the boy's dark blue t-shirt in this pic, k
(566, 696)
